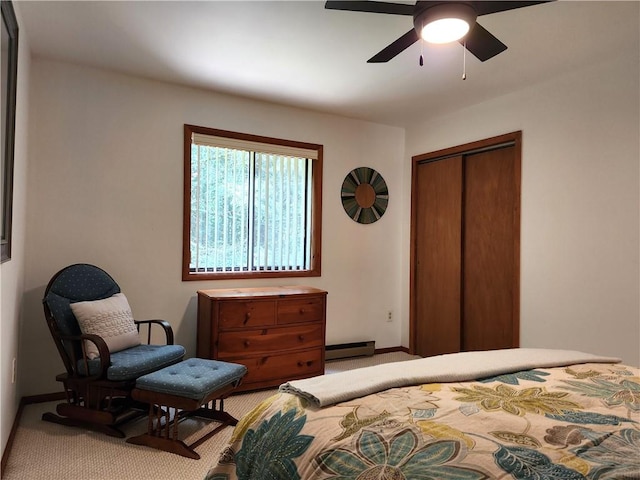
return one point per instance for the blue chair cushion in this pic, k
(133, 362)
(195, 378)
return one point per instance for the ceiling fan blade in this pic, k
(485, 8)
(404, 42)
(482, 43)
(372, 7)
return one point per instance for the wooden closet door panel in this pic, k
(491, 189)
(438, 257)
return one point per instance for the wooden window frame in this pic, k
(316, 215)
(9, 84)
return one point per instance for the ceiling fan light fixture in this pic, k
(445, 30)
(445, 22)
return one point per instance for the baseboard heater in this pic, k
(348, 350)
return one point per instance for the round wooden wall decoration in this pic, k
(365, 195)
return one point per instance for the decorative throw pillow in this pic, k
(111, 319)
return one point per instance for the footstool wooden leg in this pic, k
(168, 445)
(217, 414)
(162, 433)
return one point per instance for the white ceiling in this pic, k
(297, 53)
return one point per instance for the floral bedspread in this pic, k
(575, 422)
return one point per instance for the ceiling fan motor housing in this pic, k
(461, 10)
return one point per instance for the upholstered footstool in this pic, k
(193, 387)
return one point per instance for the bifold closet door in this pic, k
(490, 250)
(438, 257)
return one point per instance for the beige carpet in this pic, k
(43, 450)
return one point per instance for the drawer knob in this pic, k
(301, 338)
(247, 343)
(247, 317)
(302, 311)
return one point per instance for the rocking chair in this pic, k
(105, 356)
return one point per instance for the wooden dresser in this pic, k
(277, 332)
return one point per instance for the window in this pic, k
(252, 206)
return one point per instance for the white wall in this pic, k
(105, 187)
(12, 272)
(580, 202)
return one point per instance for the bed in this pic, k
(516, 413)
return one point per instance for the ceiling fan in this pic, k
(455, 20)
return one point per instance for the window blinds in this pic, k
(251, 206)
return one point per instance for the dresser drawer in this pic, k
(301, 310)
(277, 369)
(270, 340)
(247, 314)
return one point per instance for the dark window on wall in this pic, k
(252, 206)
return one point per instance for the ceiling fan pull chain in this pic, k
(421, 52)
(464, 61)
